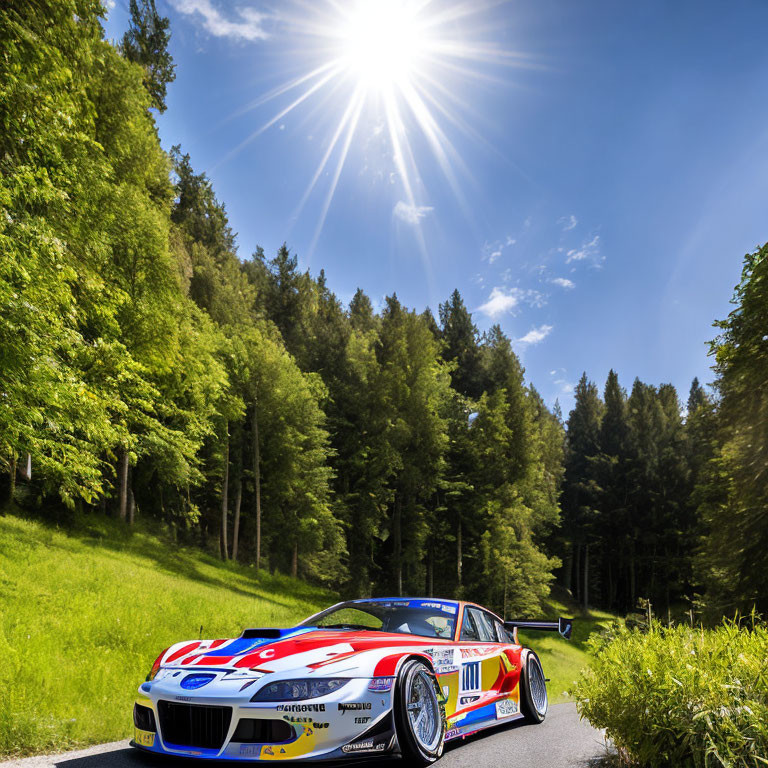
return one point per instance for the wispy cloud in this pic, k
(411, 214)
(500, 302)
(568, 222)
(495, 256)
(563, 282)
(566, 388)
(589, 250)
(536, 335)
(244, 24)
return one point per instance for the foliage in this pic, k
(681, 696)
(733, 493)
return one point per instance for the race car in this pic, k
(397, 676)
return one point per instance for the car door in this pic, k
(480, 652)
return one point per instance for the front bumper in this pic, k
(352, 721)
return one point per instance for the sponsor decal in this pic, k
(364, 746)
(464, 700)
(362, 720)
(250, 750)
(269, 751)
(143, 738)
(470, 677)
(184, 698)
(443, 659)
(309, 720)
(301, 707)
(354, 706)
(506, 708)
(381, 684)
(452, 733)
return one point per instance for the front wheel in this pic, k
(418, 714)
(533, 689)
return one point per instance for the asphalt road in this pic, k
(561, 741)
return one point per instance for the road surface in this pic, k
(561, 741)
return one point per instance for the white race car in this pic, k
(367, 677)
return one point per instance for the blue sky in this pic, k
(609, 163)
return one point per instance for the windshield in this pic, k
(426, 618)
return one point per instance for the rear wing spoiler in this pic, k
(563, 626)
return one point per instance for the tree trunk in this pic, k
(123, 478)
(295, 559)
(398, 544)
(459, 556)
(257, 481)
(225, 495)
(577, 573)
(236, 531)
(12, 489)
(131, 506)
(568, 567)
(585, 596)
(632, 580)
(430, 573)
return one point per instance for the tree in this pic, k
(146, 43)
(734, 490)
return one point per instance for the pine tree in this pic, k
(146, 43)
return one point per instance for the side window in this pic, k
(469, 627)
(484, 629)
(501, 633)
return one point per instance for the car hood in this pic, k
(267, 651)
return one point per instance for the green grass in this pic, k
(563, 660)
(84, 613)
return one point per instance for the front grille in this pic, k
(144, 718)
(194, 725)
(252, 731)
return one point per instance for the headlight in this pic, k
(156, 666)
(296, 690)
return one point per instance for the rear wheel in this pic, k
(533, 689)
(419, 714)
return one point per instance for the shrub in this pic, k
(681, 696)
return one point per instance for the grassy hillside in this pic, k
(562, 659)
(83, 615)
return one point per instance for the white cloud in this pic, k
(568, 222)
(590, 250)
(511, 240)
(566, 388)
(247, 24)
(495, 256)
(500, 302)
(536, 335)
(563, 282)
(109, 5)
(411, 214)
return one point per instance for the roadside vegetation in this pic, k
(681, 696)
(85, 612)
(564, 660)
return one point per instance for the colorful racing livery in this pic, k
(388, 675)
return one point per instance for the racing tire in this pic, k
(534, 702)
(419, 714)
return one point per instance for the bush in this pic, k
(681, 696)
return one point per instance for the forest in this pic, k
(148, 370)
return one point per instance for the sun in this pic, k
(382, 43)
(407, 67)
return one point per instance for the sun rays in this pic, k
(407, 65)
